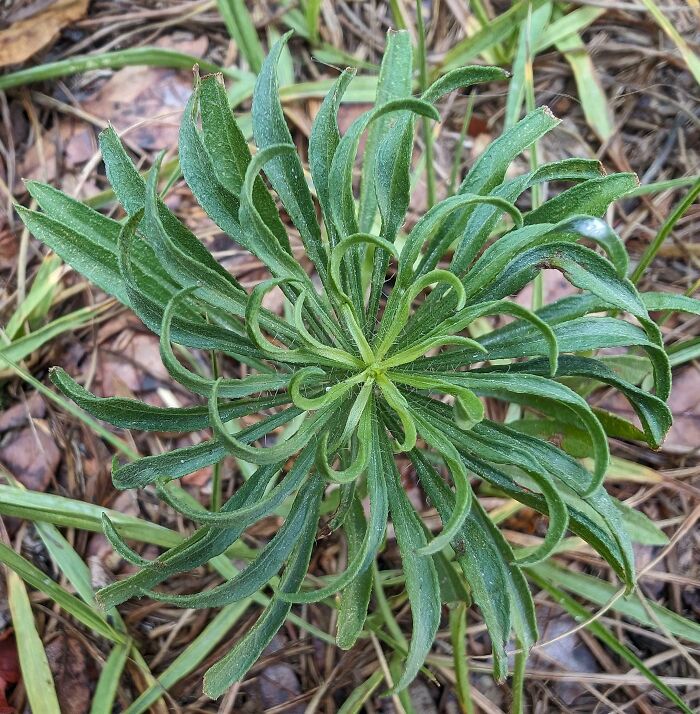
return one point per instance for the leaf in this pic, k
(395, 82)
(246, 513)
(133, 414)
(420, 574)
(670, 301)
(258, 572)
(187, 459)
(34, 666)
(595, 517)
(600, 592)
(199, 548)
(581, 266)
(26, 35)
(240, 26)
(484, 218)
(488, 384)
(595, 105)
(284, 170)
(354, 598)
(130, 188)
(229, 152)
(323, 143)
(485, 571)
(234, 665)
(591, 198)
(373, 531)
(652, 412)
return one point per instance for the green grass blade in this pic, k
(71, 604)
(600, 592)
(590, 88)
(691, 59)
(569, 24)
(530, 32)
(191, 657)
(354, 703)
(135, 56)
(653, 248)
(49, 508)
(36, 673)
(489, 36)
(108, 682)
(24, 346)
(312, 13)
(241, 27)
(43, 288)
(580, 613)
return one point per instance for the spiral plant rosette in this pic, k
(371, 363)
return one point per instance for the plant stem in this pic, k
(458, 635)
(216, 486)
(427, 130)
(460, 144)
(519, 679)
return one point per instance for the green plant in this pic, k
(368, 381)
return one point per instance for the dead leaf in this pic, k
(9, 668)
(16, 415)
(31, 455)
(279, 683)
(569, 653)
(9, 247)
(72, 671)
(153, 97)
(556, 286)
(126, 362)
(684, 435)
(26, 36)
(684, 404)
(64, 149)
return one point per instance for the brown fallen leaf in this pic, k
(72, 670)
(16, 415)
(9, 247)
(151, 97)
(9, 668)
(684, 435)
(31, 455)
(32, 32)
(556, 286)
(279, 683)
(684, 403)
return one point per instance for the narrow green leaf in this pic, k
(284, 170)
(36, 673)
(420, 574)
(234, 665)
(71, 604)
(354, 599)
(240, 26)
